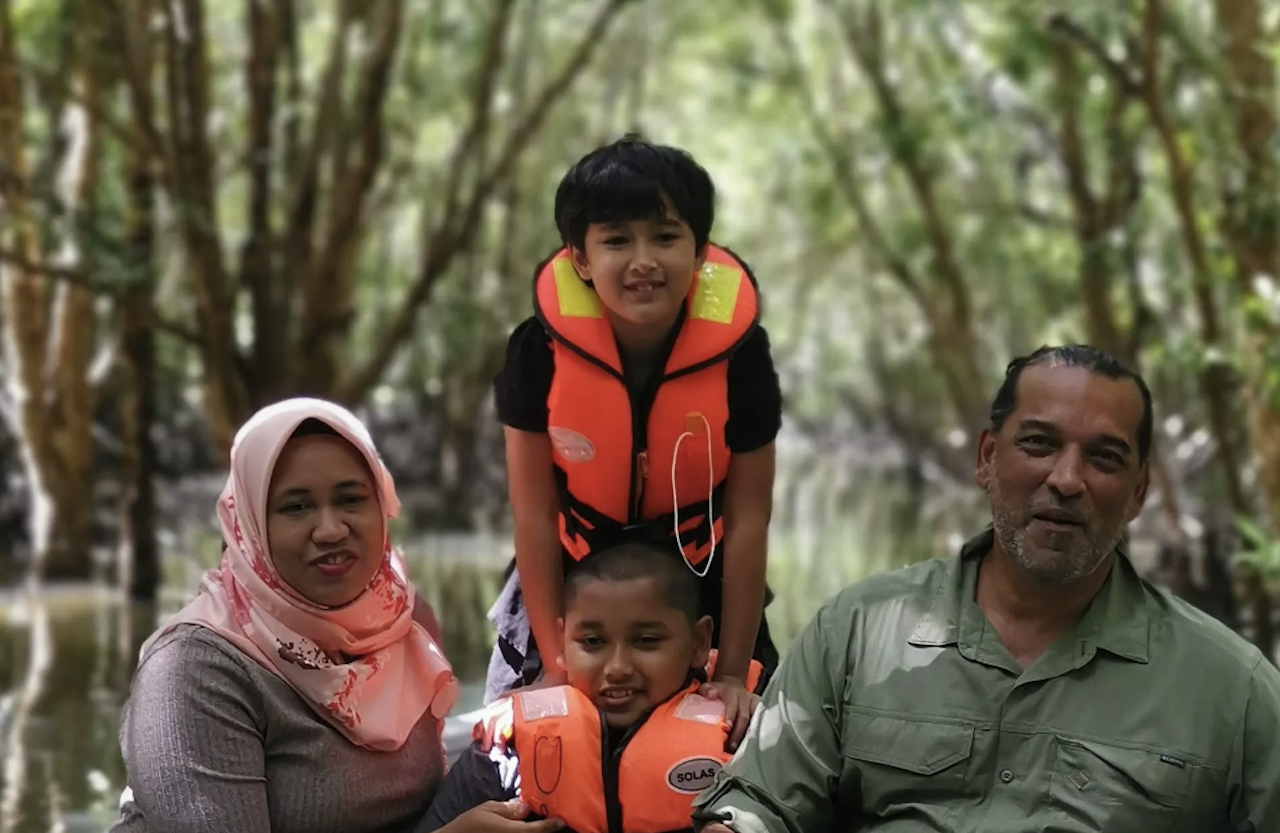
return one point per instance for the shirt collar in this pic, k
(1117, 621)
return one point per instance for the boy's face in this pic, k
(642, 269)
(627, 649)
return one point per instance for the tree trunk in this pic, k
(48, 352)
(1215, 378)
(138, 552)
(1255, 243)
(308, 196)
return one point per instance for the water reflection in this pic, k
(66, 658)
(20, 704)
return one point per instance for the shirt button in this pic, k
(1006, 776)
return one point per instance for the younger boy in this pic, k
(640, 396)
(628, 742)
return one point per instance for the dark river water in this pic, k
(66, 659)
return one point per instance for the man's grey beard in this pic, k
(1062, 568)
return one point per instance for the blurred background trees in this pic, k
(205, 207)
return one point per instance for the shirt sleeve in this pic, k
(755, 396)
(477, 777)
(1255, 777)
(520, 389)
(192, 744)
(785, 776)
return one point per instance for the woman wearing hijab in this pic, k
(304, 688)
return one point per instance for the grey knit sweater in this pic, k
(215, 743)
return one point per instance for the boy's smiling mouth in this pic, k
(618, 697)
(645, 287)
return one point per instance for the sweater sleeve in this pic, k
(193, 743)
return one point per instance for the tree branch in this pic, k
(1060, 23)
(456, 230)
(950, 310)
(845, 177)
(70, 274)
(256, 270)
(1215, 382)
(476, 133)
(305, 198)
(79, 277)
(327, 307)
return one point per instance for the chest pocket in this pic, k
(1098, 786)
(907, 764)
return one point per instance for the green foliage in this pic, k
(1262, 550)
(961, 178)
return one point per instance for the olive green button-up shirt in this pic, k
(898, 710)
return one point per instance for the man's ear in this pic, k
(1140, 492)
(986, 453)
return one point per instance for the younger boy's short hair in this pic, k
(626, 181)
(635, 560)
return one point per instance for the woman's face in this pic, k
(325, 529)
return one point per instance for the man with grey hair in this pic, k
(1034, 682)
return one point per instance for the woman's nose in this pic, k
(329, 527)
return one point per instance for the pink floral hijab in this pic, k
(396, 673)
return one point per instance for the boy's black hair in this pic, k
(626, 181)
(1074, 355)
(639, 559)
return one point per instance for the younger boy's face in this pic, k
(642, 269)
(627, 649)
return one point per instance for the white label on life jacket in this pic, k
(692, 775)
(542, 703)
(570, 445)
(699, 709)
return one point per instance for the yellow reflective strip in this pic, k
(577, 300)
(717, 293)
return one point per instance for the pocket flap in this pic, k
(921, 745)
(1164, 779)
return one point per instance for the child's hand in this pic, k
(500, 817)
(739, 705)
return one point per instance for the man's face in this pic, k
(1063, 472)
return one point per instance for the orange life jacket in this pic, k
(607, 442)
(646, 784)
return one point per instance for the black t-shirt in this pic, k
(755, 398)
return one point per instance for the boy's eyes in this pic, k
(621, 240)
(648, 640)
